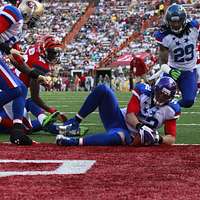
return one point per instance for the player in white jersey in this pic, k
(149, 109)
(178, 38)
(12, 89)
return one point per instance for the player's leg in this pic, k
(38, 112)
(12, 89)
(5, 122)
(103, 98)
(110, 138)
(188, 87)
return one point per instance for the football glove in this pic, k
(147, 135)
(175, 74)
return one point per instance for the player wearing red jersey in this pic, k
(40, 57)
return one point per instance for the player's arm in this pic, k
(24, 68)
(163, 58)
(163, 55)
(132, 109)
(170, 132)
(35, 94)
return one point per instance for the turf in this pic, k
(188, 126)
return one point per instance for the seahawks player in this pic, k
(178, 38)
(149, 109)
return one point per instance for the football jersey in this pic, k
(182, 50)
(150, 114)
(15, 19)
(34, 60)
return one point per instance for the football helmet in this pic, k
(31, 10)
(175, 18)
(52, 49)
(164, 90)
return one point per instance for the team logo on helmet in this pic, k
(164, 90)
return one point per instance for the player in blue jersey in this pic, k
(41, 121)
(148, 109)
(12, 89)
(178, 38)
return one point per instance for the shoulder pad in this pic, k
(143, 88)
(175, 106)
(160, 34)
(193, 23)
(12, 13)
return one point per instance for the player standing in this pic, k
(178, 38)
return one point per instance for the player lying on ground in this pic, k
(41, 122)
(148, 109)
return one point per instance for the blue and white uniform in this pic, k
(182, 55)
(11, 21)
(150, 114)
(118, 131)
(15, 19)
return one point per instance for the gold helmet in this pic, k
(31, 10)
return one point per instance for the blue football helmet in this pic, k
(164, 90)
(175, 18)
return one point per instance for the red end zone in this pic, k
(118, 173)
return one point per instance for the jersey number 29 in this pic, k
(184, 54)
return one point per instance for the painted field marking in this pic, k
(192, 113)
(95, 124)
(66, 167)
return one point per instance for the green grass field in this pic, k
(188, 126)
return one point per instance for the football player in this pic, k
(11, 20)
(149, 109)
(42, 121)
(41, 56)
(178, 38)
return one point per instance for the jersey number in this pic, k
(184, 54)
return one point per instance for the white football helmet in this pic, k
(31, 10)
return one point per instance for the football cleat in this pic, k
(69, 130)
(72, 127)
(18, 136)
(50, 119)
(62, 140)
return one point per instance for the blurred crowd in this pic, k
(111, 23)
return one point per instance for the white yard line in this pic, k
(95, 124)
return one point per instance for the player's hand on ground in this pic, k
(62, 117)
